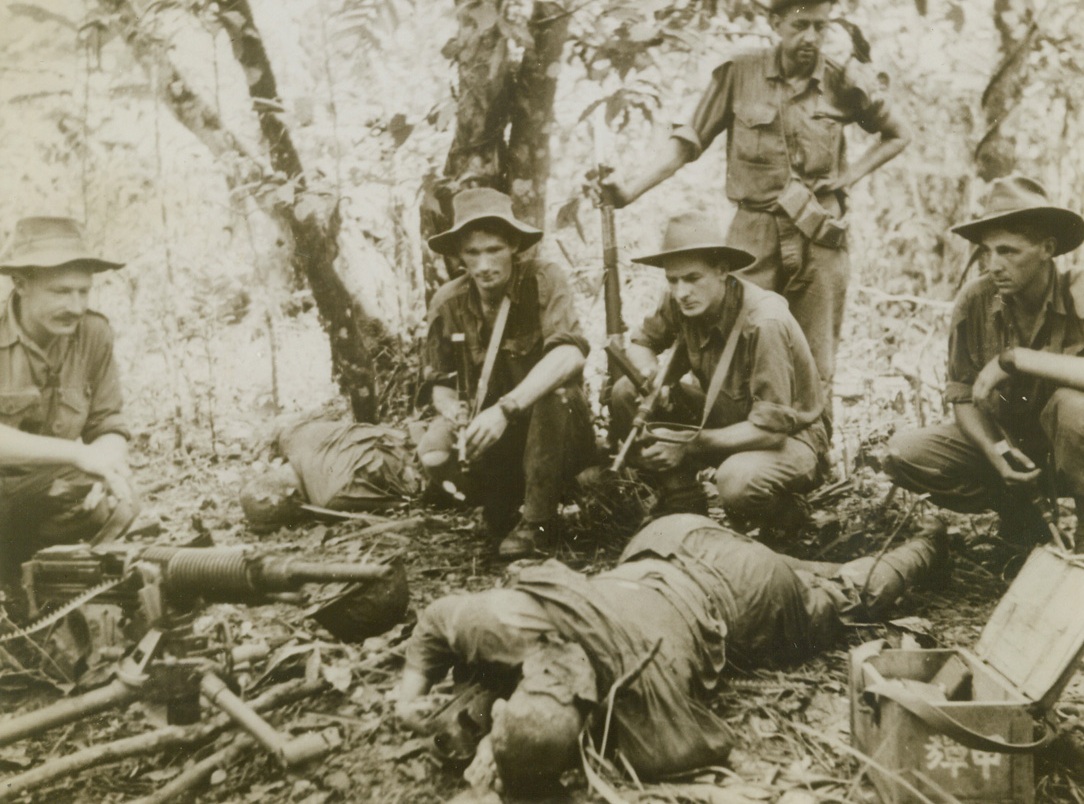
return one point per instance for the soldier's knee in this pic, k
(1064, 413)
(902, 448)
(623, 394)
(741, 488)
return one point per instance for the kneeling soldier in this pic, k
(1011, 430)
(64, 473)
(761, 428)
(506, 333)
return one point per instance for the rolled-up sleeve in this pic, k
(962, 368)
(557, 312)
(105, 414)
(780, 402)
(658, 331)
(439, 359)
(713, 114)
(870, 103)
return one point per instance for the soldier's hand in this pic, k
(607, 188)
(98, 460)
(484, 431)
(660, 456)
(1016, 468)
(984, 391)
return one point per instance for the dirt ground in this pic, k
(794, 725)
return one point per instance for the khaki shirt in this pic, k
(982, 326)
(72, 390)
(768, 119)
(772, 381)
(541, 317)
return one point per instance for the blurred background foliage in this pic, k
(269, 170)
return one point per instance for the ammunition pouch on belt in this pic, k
(810, 217)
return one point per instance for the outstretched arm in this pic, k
(621, 191)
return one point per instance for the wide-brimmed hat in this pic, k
(779, 6)
(696, 233)
(479, 204)
(1015, 197)
(42, 242)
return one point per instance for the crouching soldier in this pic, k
(505, 358)
(64, 474)
(759, 392)
(1011, 430)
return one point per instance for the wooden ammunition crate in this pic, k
(1024, 658)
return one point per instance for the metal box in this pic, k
(1025, 656)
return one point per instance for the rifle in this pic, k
(611, 279)
(161, 590)
(648, 404)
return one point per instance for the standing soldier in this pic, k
(784, 109)
(64, 473)
(505, 332)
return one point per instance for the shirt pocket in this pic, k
(22, 409)
(822, 139)
(755, 138)
(73, 406)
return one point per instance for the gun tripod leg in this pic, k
(288, 751)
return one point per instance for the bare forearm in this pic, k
(26, 449)
(556, 367)
(885, 150)
(670, 160)
(645, 360)
(979, 429)
(740, 437)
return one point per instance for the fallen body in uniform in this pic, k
(687, 598)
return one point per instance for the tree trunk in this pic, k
(995, 155)
(532, 112)
(480, 50)
(348, 327)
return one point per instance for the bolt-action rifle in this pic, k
(668, 371)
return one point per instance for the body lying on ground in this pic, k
(688, 598)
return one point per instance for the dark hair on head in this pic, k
(495, 227)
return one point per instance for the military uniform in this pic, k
(782, 137)
(70, 391)
(687, 598)
(544, 448)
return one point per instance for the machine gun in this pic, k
(161, 589)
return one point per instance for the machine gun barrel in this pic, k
(185, 574)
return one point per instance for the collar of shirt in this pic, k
(774, 69)
(10, 331)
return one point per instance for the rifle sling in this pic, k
(491, 354)
(722, 368)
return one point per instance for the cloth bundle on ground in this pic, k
(342, 466)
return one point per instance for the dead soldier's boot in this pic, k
(875, 583)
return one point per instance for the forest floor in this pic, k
(793, 725)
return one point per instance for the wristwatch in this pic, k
(509, 407)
